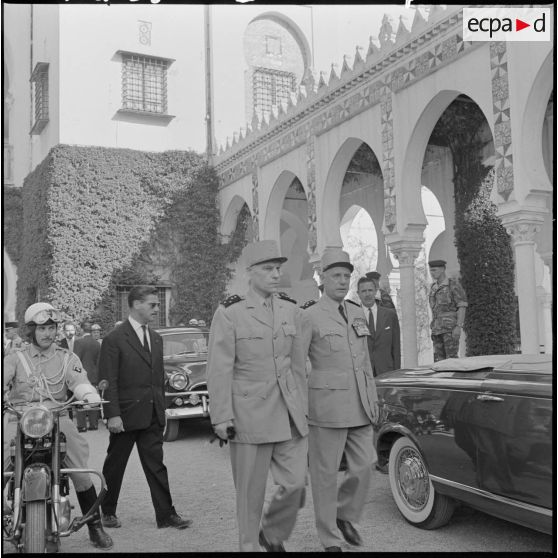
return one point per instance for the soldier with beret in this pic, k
(342, 404)
(256, 373)
(448, 303)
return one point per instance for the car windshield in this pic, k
(184, 343)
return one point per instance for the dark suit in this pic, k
(384, 346)
(136, 394)
(88, 350)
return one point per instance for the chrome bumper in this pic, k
(188, 411)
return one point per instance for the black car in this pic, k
(185, 359)
(477, 430)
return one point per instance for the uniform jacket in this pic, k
(136, 380)
(60, 368)
(384, 346)
(341, 373)
(444, 299)
(88, 351)
(256, 369)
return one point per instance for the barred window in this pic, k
(122, 309)
(144, 83)
(39, 79)
(271, 87)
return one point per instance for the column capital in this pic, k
(405, 249)
(523, 223)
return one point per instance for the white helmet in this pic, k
(193, 322)
(40, 313)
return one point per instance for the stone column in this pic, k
(522, 226)
(545, 308)
(406, 253)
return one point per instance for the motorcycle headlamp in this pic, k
(178, 381)
(37, 422)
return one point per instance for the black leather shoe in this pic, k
(382, 468)
(350, 534)
(333, 549)
(110, 520)
(98, 536)
(174, 520)
(269, 546)
(82, 429)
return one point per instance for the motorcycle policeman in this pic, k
(44, 371)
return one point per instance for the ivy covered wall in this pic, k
(99, 217)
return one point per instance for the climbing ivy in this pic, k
(483, 245)
(99, 217)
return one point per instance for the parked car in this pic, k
(185, 359)
(476, 430)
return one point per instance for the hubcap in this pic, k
(412, 479)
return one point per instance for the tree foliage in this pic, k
(483, 245)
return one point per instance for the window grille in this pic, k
(39, 78)
(122, 310)
(144, 84)
(271, 87)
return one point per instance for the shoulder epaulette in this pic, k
(308, 304)
(352, 302)
(233, 299)
(285, 296)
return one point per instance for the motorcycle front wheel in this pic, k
(35, 527)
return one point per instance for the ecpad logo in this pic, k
(506, 24)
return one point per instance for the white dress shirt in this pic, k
(374, 313)
(139, 331)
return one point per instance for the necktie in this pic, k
(342, 312)
(371, 321)
(145, 342)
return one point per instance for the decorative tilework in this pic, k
(311, 185)
(502, 119)
(255, 206)
(388, 159)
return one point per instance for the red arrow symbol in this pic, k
(519, 25)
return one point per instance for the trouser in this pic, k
(92, 415)
(445, 346)
(326, 446)
(77, 449)
(251, 464)
(149, 442)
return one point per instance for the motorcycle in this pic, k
(38, 512)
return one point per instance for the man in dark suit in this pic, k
(132, 363)
(88, 350)
(384, 343)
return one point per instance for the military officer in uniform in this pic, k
(44, 371)
(448, 304)
(342, 404)
(256, 372)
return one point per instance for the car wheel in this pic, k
(170, 433)
(412, 488)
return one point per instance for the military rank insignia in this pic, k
(308, 304)
(285, 296)
(77, 369)
(233, 299)
(360, 327)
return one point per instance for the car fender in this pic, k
(389, 432)
(36, 483)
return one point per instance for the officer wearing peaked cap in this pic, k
(256, 373)
(342, 404)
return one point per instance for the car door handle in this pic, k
(486, 397)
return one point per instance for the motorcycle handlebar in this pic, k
(10, 406)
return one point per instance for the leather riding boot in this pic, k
(97, 535)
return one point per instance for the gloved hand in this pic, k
(91, 397)
(224, 432)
